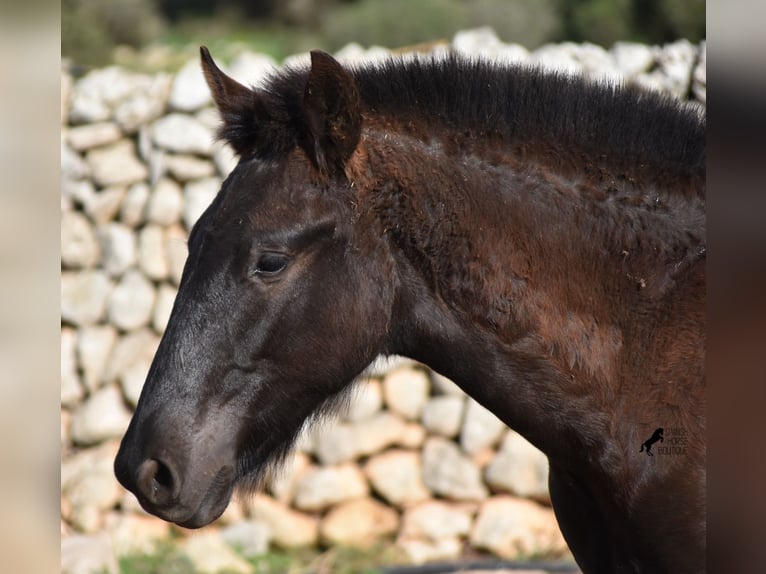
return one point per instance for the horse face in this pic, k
(277, 311)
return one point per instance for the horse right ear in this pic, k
(247, 121)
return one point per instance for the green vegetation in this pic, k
(94, 33)
(167, 559)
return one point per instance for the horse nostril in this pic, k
(156, 482)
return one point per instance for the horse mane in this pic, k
(519, 104)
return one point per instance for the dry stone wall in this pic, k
(412, 458)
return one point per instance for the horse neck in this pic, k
(510, 274)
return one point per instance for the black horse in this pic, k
(536, 238)
(657, 435)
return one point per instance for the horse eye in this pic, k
(270, 264)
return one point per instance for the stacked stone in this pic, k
(412, 459)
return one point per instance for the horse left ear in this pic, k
(331, 105)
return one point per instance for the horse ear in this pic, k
(247, 120)
(331, 105)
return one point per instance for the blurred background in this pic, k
(160, 34)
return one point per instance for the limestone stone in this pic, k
(131, 302)
(699, 77)
(103, 206)
(118, 245)
(133, 206)
(94, 345)
(101, 417)
(481, 428)
(283, 482)
(189, 91)
(93, 135)
(198, 195)
(83, 296)
(632, 58)
(322, 487)
(146, 102)
(82, 554)
(342, 442)
(420, 551)
(180, 133)
(413, 436)
(128, 350)
(166, 296)
(674, 69)
(73, 166)
(396, 475)
(71, 389)
(366, 400)
(209, 553)
(177, 251)
(96, 93)
(79, 246)
(406, 391)
(449, 473)
(289, 528)
(135, 534)
(358, 523)
(89, 484)
(151, 253)
(166, 203)
(485, 43)
(188, 167)
(435, 520)
(116, 164)
(224, 158)
(133, 377)
(443, 415)
(444, 386)
(77, 192)
(511, 528)
(250, 537)
(519, 468)
(252, 69)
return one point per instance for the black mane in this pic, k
(520, 104)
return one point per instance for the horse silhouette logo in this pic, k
(656, 436)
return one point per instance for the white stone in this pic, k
(406, 391)
(94, 491)
(133, 377)
(224, 158)
(435, 520)
(104, 205)
(134, 534)
(118, 245)
(420, 551)
(443, 415)
(83, 296)
(210, 554)
(519, 468)
(93, 135)
(182, 134)
(699, 78)
(560, 57)
(358, 523)
(632, 58)
(396, 476)
(512, 528)
(82, 554)
(71, 389)
(289, 528)
(133, 206)
(166, 296)
(674, 69)
(116, 164)
(131, 302)
(481, 428)
(187, 167)
(366, 400)
(250, 537)
(94, 345)
(128, 350)
(151, 253)
(444, 386)
(102, 416)
(189, 91)
(322, 487)
(483, 42)
(166, 203)
(177, 251)
(449, 473)
(73, 166)
(198, 196)
(146, 102)
(343, 442)
(77, 192)
(251, 69)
